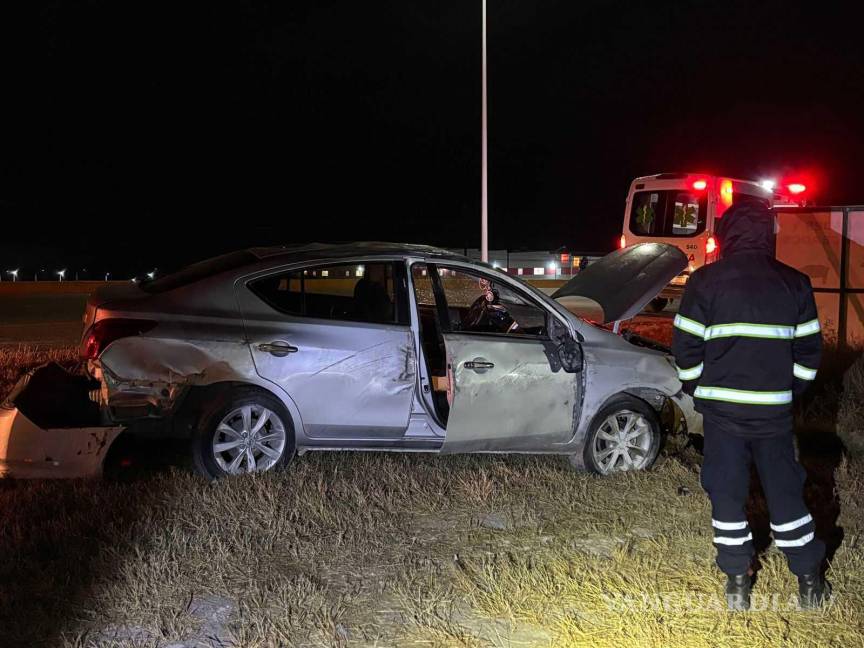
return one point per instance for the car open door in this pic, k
(510, 391)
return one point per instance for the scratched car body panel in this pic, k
(375, 346)
(488, 413)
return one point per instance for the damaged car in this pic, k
(264, 353)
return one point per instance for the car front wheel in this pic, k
(625, 435)
(248, 432)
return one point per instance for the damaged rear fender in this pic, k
(145, 376)
(166, 378)
(198, 399)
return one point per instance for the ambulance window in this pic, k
(685, 214)
(643, 219)
(668, 213)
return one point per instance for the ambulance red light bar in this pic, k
(699, 185)
(796, 188)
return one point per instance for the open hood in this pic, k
(623, 282)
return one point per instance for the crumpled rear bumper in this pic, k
(28, 451)
(50, 427)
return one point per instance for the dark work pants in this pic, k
(726, 479)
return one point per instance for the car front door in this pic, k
(336, 338)
(510, 391)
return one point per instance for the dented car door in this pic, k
(344, 354)
(510, 391)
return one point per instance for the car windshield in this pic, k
(675, 212)
(536, 292)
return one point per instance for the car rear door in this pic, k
(336, 338)
(509, 390)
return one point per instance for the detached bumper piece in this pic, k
(50, 427)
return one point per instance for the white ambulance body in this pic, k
(682, 209)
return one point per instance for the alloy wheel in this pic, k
(249, 439)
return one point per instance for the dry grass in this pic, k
(850, 417)
(16, 360)
(396, 550)
(377, 549)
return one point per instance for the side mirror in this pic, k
(568, 349)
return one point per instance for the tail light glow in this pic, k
(109, 330)
(711, 245)
(726, 194)
(699, 185)
(796, 188)
(622, 243)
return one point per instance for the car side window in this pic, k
(366, 292)
(479, 304)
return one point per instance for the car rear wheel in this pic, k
(248, 432)
(624, 436)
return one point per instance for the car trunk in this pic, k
(110, 295)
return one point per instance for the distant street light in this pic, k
(61, 274)
(107, 274)
(151, 274)
(14, 274)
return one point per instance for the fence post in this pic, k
(844, 271)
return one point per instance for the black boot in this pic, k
(738, 593)
(813, 591)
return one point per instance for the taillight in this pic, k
(108, 330)
(711, 245)
(699, 185)
(623, 242)
(796, 188)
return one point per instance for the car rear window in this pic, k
(358, 292)
(198, 271)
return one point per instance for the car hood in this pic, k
(623, 282)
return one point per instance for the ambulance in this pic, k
(682, 209)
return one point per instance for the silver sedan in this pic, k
(261, 354)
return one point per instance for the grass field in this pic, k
(357, 549)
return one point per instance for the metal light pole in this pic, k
(484, 199)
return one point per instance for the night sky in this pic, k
(149, 134)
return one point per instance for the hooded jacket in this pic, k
(747, 335)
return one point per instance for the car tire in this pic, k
(658, 304)
(240, 411)
(608, 437)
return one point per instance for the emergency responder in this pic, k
(746, 339)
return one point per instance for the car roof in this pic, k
(242, 261)
(314, 251)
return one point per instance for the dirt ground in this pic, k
(376, 549)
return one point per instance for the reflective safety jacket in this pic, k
(747, 335)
